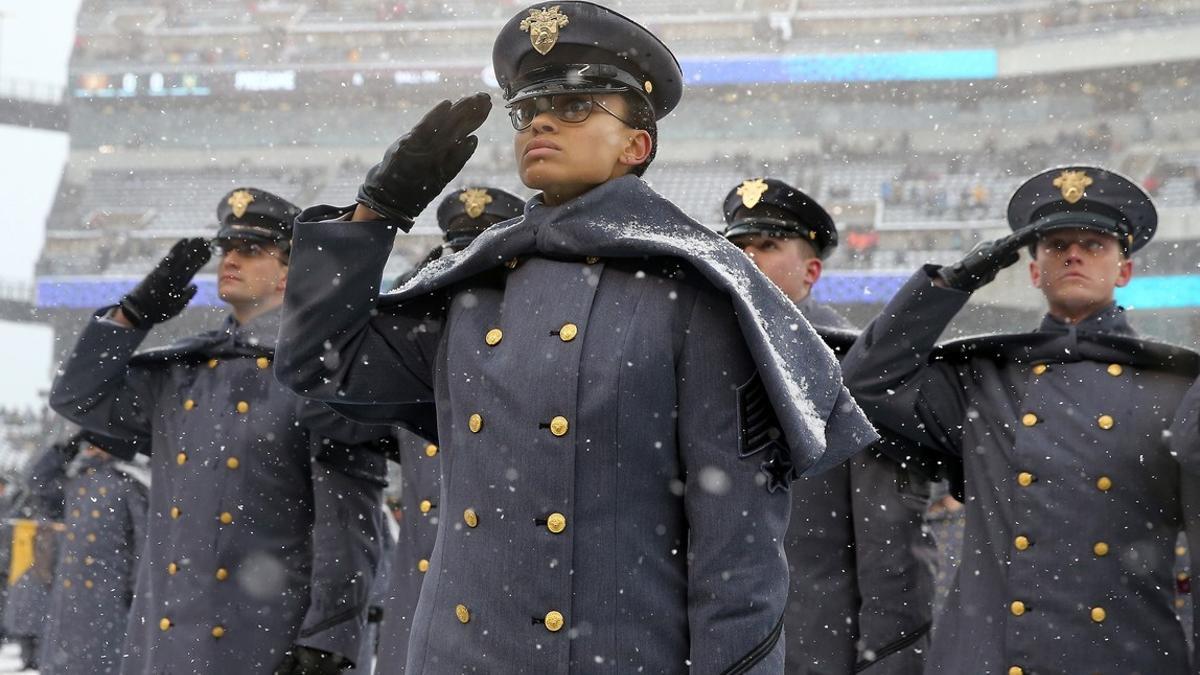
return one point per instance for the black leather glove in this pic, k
(980, 266)
(420, 165)
(302, 660)
(168, 288)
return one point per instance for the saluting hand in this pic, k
(168, 288)
(983, 262)
(421, 163)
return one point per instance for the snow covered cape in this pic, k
(624, 218)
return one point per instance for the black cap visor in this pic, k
(577, 78)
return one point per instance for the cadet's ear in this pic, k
(1124, 272)
(1035, 274)
(637, 148)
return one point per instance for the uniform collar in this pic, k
(1109, 320)
(262, 331)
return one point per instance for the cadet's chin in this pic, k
(538, 174)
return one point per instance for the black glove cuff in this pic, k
(401, 219)
(134, 315)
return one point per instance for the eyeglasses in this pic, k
(569, 108)
(247, 249)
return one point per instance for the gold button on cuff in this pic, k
(189, 404)
(1016, 670)
(1017, 608)
(1105, 422)
(1099, 615)
(568, 332)
(176, 512)
(262, 362)
(463, 614)
(181, 458)
(243, 407)
(1104, 484)
(218, 632)
(1024, 479)
(232, 463)
(212, 363)
(431, 450)
(222, 574)
(422, 565)
(559, 426)
(1115, 370)
(172, 568)
(164, 623)
(475, 423)
(1029, 419)
(493, 337)
(425, 506)
(1021, 543)
(226, 518)
(554, 621)
(471, 518)
(1040, 369)
(1100, 549)
(556, 523)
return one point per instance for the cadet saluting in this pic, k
(620, 395)
(861, 586)
(264, 526)
(1073, 497)
(463, 215)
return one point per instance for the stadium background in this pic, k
(911, 121)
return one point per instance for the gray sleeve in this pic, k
(334, 344)
(737, 573)
(98, 390)
(889, 372)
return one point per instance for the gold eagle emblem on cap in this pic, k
(1073, 184)
(543, 26)
(239, 201)
(751, 191)
(475, 200)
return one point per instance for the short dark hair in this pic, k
(640, 114)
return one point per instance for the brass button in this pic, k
(243, 407)
(189, 404)
(425, 506)
(172, 568)
(1021, 542)
(232, 463)
(89, 560)
(95, 513)
(1104, 484)
(1016, 670)
(593, 259)
(475, 423)
(1100, 549)
(554, 621)
(181, 458)
(431, 450)
(463, 614)
(176, 512)
(471, 518)
(226, 518)
(568, 332)
(91, 537)
(1105, 422)
(1115, 370)
(164, 623)
(1040, 369)
(556, 523)
(559, 426)
(218, 632)
(88, 584)
(212, 363)
(1017, 608)
(422, 565)
(1024, 479)
(1029, 419)
(262, 362)
(66, 583)
(222, 574)
(512, 263)
(493, 337)
(1099, 615)
(82, 491)
(76, 513)
(70, 536)
(103, 491)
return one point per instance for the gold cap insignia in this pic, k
(1073, 184)
(543, 26)
(475, 199)
(239, 201)
(751, 191)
